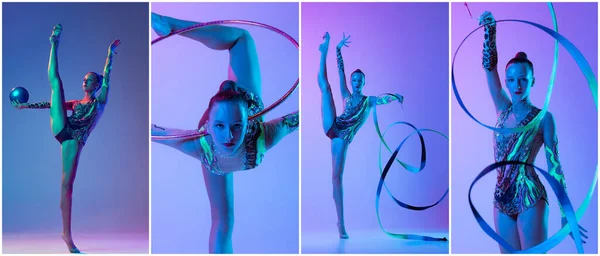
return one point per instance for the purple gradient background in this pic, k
(185, 74)
(571, 105)
(402, 48)
(111, 188)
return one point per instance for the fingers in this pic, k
(115, 43)
(580, 227)
(57, 29)
(16, 104)
(583, 235)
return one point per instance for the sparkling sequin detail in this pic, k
(346, 125)
(292, 120)
(556, 170)
(518, 187)
(340, 60)
(44, 104)
(490, 53)
(83, 120)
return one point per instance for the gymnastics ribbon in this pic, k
(193, 134)
(408, 167)
(571, 216)
(563, 200)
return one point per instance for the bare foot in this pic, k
(70, 244)
(160, 25)
(342, 231)
(325, 45)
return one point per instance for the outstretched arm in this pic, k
(41, 105)
(188, 146)
(340, 63)
(490, 63)
(276, 129)
(103, 97)
(53, 75)
(385, 99)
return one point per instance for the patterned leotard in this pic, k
(253, 148)
(347, 124)
(518, 187)
(81, 122)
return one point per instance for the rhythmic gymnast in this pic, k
(341, 129)
(520, 199)
(232, 143)
(72, 131)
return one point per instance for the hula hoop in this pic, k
(239, 22)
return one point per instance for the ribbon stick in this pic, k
(572, 216)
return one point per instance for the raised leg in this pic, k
(327, 104)
(244, 68)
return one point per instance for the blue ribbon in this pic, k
(410, 168)
(572, 217)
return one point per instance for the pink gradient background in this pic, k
(571, 105)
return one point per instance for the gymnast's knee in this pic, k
(245, 36)
(224, 223)
(56, 85)
(336, 179)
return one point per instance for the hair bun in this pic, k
(521, 55)
(227, 85)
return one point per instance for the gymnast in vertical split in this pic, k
(72, 131)
(230, 142)
(341, 129)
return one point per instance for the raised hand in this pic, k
(581, 230)
(344, 41)
(56, 31)
(487, 19)
(113, 46)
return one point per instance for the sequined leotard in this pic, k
(253, 149)
(347, 124)
(518, 187)
(81, 122)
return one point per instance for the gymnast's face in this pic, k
(519, 80)
(358, 81)
(90, 82)
(228, 121)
